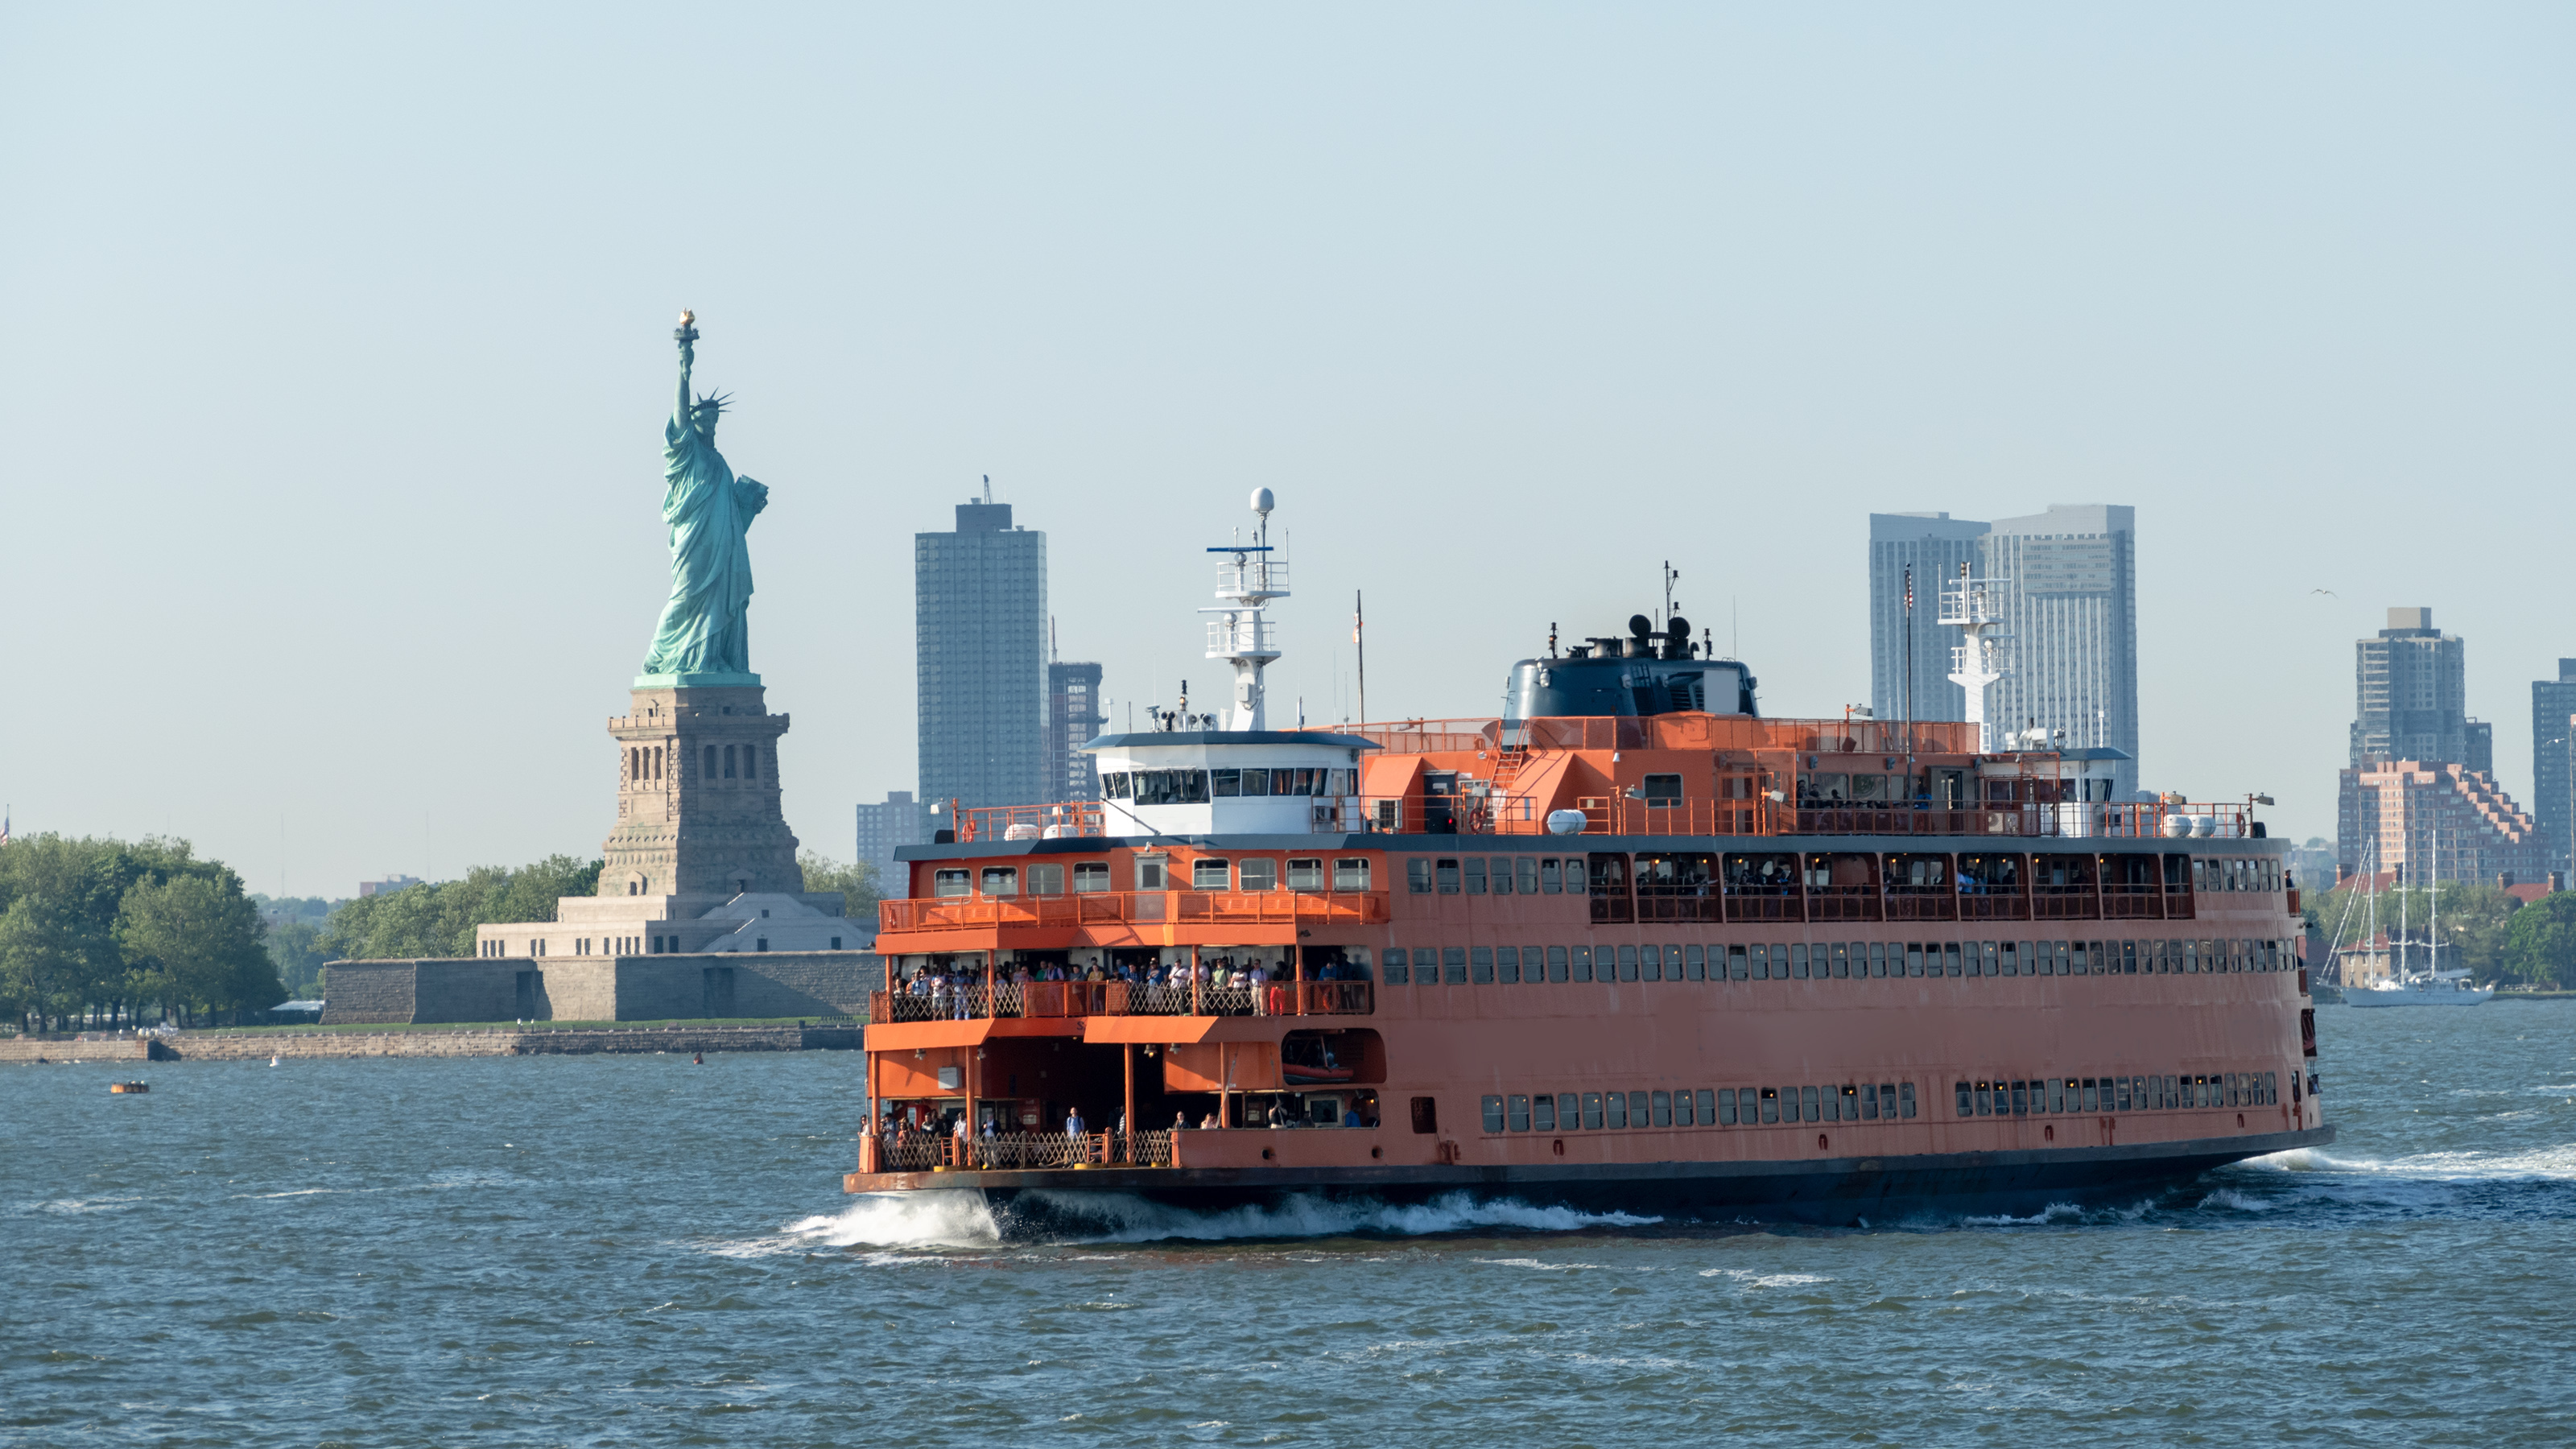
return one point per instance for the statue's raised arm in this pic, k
(687, 335)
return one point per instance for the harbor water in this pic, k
(636, 1250)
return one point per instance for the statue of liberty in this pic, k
(705, 627)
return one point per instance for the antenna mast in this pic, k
(1975, 607)
(1243, 636)
(1359, 627)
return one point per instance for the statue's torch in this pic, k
(687, 331)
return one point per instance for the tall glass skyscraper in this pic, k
(2072, 620)
(1934, 544)
(979, 615)
(2553, 703)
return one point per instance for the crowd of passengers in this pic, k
(953, 985)
(918, 1120)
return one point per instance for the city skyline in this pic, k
(2067, 576)
(979, 618)
(1452, 327)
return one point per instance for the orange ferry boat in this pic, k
(1631, 946)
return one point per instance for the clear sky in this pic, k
(338, 349)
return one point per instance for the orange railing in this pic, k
(907, 1151)
(1102, 908)
(1028, 822)
(1060, 1000)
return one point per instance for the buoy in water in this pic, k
(698, 1060)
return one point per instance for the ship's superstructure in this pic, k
(1633, 943)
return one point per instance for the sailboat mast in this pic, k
(2405, 864)
(2433, 912)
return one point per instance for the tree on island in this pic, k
(99, 929)
(439, 919)
(857, 882)
(2540, 941)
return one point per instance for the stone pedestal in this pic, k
(697, 802)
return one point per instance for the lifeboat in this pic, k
(1303, 1074)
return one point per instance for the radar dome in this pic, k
(1262, 502)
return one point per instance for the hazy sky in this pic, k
(339, 348)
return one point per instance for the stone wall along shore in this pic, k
(216, 1046)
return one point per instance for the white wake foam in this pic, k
(928, 1219)
(962, 1219)
(2555, 1161)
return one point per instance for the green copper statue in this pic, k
(705, 628)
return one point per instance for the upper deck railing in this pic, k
(1060, 1000)
(1106, 908)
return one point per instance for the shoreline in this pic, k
(512, 1041)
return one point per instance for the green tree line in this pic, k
(96, 929)
(438, 919)
(2482, 930)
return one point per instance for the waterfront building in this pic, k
(2423, 820)
(2411, 694)
(1935, 546)
(2068, 575)
(2553, 703)
(387, 886)
(1075, 717)
(883, 828)
(979, 640)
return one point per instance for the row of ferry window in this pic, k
(1207, 873)
(1798, 961)
(1195, 787)
(1721, 1107)
(1599, 874)
(2055, 1096)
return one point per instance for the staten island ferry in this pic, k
(1632, 945)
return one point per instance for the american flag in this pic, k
(4, 827)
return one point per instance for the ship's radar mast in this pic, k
(1241, 634)
(1975, 607)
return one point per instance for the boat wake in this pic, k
(963, 1219)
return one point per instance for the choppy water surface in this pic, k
(608, 1250)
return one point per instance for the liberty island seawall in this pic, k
(632, 1250)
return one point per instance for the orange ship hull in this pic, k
(1813, 1050)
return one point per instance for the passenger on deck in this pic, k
(1073, 1122)
(1180, 1121)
